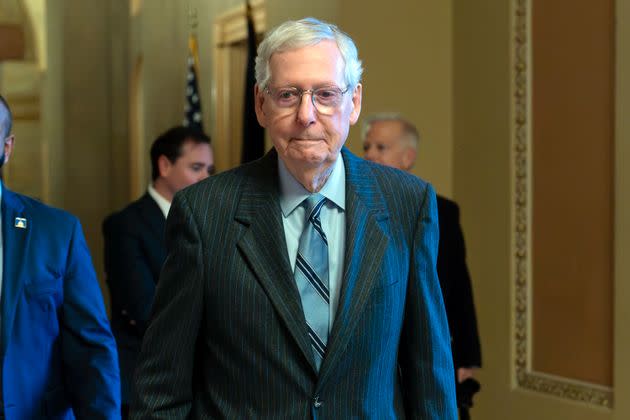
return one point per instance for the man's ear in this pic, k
(164, 166)
(356, 104)
(409, 158)
(259, 100)
(8, 148)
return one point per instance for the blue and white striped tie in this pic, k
(311, 276)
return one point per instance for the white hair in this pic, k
(410, 132)
(304, 33)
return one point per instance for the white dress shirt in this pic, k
(333, 217)
(162, 202)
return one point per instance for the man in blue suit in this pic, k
(301, 285)
(57, 353)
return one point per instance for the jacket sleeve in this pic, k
(130, 279)
(426, 366)
(88, 348)
(466, 346)
(164, 389)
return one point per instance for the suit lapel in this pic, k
(15, 246)
(154, 218)
(365, 246)
(264, 247)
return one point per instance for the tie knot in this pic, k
(314, 204)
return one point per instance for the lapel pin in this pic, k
(20, 222)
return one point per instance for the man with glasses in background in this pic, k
(301, 285)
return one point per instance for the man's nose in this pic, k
(369, 153)
(306, 110)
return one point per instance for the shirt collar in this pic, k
(292, 193)
(162, 202)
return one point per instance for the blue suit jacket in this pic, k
(228, 338)
(58, 353)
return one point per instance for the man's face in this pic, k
(6, 139)
(304, 138)
(7, 148)
(385, 144)
(194, 164)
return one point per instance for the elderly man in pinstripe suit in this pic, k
(302, 285)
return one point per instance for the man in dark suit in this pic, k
(390, 140)
(134, 240)
(57, 353)
(304, 284)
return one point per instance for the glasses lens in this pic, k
(286, 97)
(327, 99)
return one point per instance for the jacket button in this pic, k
(316, 402)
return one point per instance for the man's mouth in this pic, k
(307, 138)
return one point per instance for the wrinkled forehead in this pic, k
(322, 60)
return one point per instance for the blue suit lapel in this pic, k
(365, 245)
(15, 245)
(264, 246)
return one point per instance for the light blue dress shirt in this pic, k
(333, 216)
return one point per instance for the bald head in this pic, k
(390, 140)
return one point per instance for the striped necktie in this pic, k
(311, 276)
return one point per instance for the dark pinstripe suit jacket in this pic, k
(228, 337)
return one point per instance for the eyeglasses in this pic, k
(325, 99)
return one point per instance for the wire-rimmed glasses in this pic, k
(325, 99)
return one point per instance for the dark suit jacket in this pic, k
(228, 338)
(58, 353)
(134, 254)
(456, 287)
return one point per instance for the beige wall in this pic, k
(85, 147)
(481, 162)
(53, 106)
(406, 47)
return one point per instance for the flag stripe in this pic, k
(192, 108)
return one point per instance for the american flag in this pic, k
(192, 108)
(253, 133)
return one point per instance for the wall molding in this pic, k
(525, 377)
